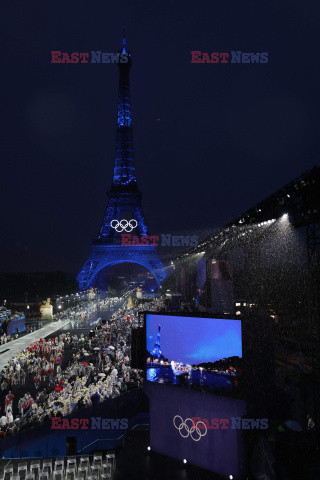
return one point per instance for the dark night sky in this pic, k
(228, 135)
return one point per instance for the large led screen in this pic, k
(194, 352)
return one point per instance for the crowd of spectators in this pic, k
(98, 368)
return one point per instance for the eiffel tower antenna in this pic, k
(124, 41)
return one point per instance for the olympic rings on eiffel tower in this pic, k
(123, 225)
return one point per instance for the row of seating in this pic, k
(98, 467)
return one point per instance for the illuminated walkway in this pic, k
(15, 347)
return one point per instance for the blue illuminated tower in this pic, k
(156, 351)
(123, 199)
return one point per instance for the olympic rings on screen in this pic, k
(191, 430)
(123, 225)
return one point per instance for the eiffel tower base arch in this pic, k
(103, 256)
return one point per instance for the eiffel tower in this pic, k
(124, 200)
(156, 351)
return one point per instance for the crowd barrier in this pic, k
(114, 415)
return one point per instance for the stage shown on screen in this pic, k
(195, 352)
